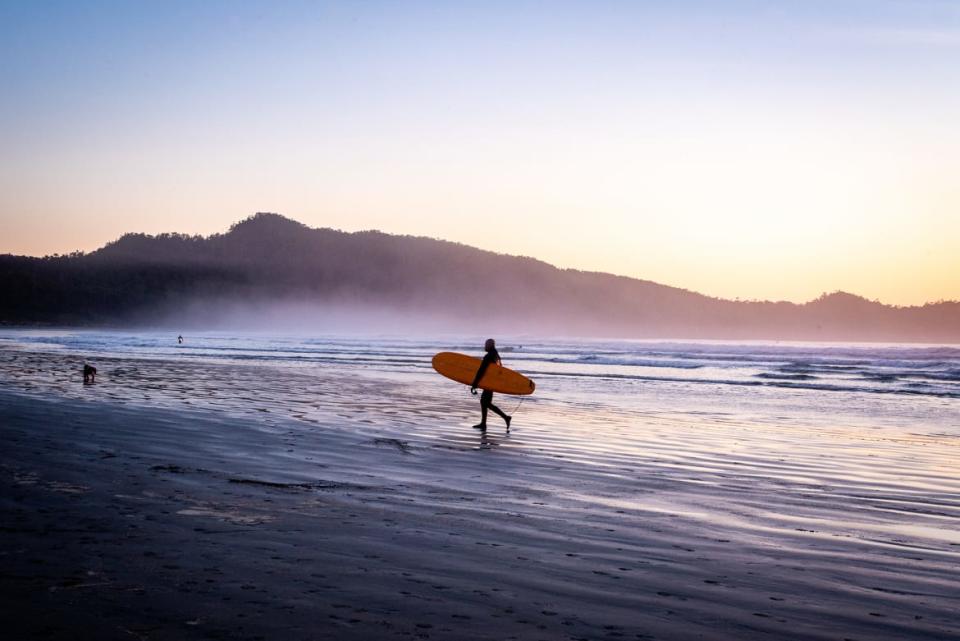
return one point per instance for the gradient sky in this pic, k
(742, 149)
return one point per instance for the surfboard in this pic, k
(463, 368)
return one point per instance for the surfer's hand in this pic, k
(473, 390)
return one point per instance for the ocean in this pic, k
(870, 384)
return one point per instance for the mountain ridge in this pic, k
(270, 258)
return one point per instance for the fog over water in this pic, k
(271, 273)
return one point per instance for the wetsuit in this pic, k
(486, 397)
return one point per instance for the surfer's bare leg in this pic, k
(499, 412)
(482, 425)
(486, 402)
(486, 399)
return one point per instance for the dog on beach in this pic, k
(89, 373)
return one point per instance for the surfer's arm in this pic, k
(480, 373)
(476, 379)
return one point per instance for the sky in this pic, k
(742, 149)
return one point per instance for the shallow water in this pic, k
(909, 369)
(875, 426)
(909, 390)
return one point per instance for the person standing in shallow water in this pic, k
(486, 398)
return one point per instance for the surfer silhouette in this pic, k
(486, 398)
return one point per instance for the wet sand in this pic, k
(128, 519)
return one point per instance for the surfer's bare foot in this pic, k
(508, 419)
(480, 426)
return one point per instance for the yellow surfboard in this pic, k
(463, 369)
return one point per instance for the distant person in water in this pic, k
(180, 339)
(486, 398)
(89, 374)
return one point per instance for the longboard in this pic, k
(463, 368)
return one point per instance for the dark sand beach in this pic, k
(376, 512)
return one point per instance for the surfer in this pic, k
(180, 339)
(89, 374)
(486, 398)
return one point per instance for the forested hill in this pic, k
(269, 259)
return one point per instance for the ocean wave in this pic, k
(881, 377)
(913, 390)
(620, 361)
(948, 375)
(786, 377)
